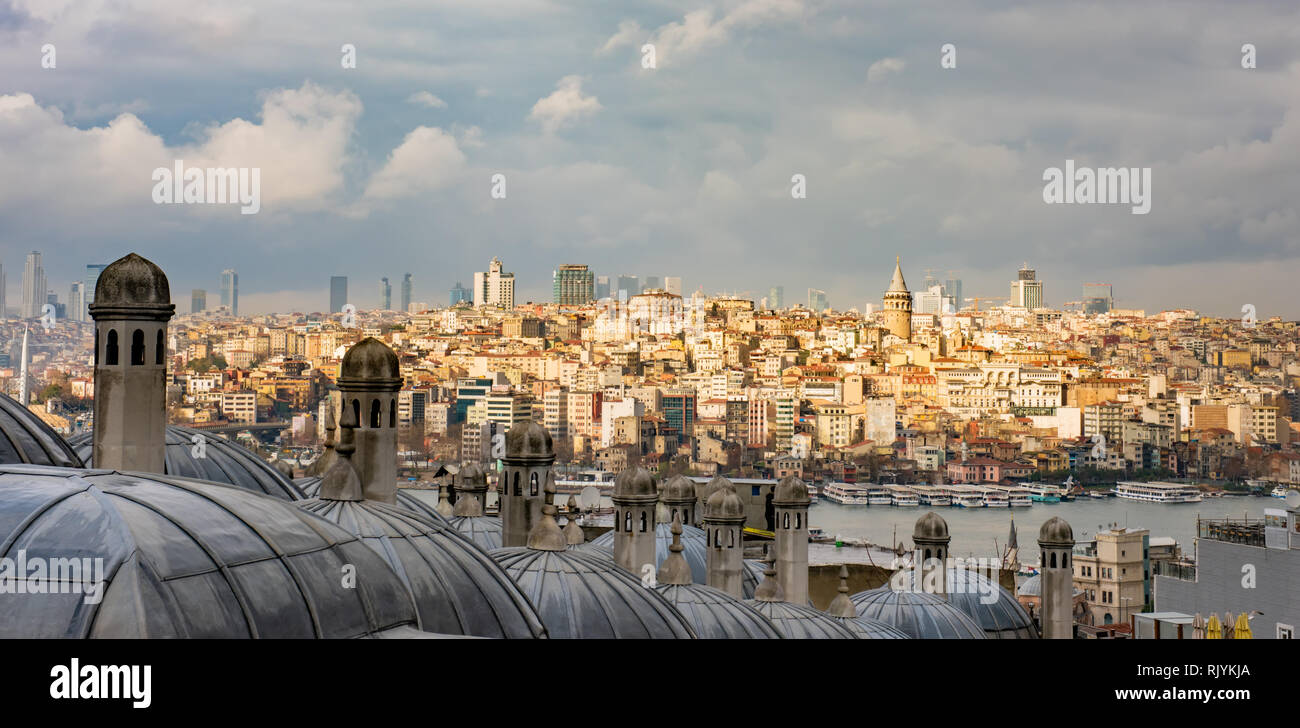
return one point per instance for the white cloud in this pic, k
(564, 106)
(698, 30)
(426, 160)
(427, 100)
(884, 67)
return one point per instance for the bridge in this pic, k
(225, 429)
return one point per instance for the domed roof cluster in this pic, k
(309, 486)
(457, 588)
(26, 439)
(183, 558)
(841, 608)
(793, 621)
(217, 460)
(1002, 617)
(694, 541)
(919, 615)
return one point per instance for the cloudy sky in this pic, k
(684, 169)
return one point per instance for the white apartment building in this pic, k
(494, 287)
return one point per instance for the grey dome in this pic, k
(635, 482)
(581, 595)
(751, 575)
(798, 622)
(1033, 587)
(457, 588)
(966, 590)
(484, 531)
(185, 558)
(715, 614)
(26, 439)
(871, 629)
(724, 503)
(1056, 532)
(369, 360)
(790, 491)
(930, 526)
(132, 281)
(694, 539)
(224, 461)
(679, 488)
(530, 442)
(919, 614)
(309, 486)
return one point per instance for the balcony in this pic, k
(1247, 531)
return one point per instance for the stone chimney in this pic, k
(525, 473)
(724, 521)
(1056, 544)
(635, 497)
(790, 502)
(369, 380)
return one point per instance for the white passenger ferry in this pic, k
(845, 494)
(878, 495)
(932, 495)
(996, 499)
(1158, 492)
(903, 496)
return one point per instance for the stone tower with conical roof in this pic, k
(898, 305)
(930, 538)
(724, 523)
(635, 496)
(679, 497)
(525, 471)
(131, 310)
(369, 380)
(471, 491)
(790, 502)
(1056, 544)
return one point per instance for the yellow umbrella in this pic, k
(1242, 630)
(1213, 628)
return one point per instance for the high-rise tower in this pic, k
(898, 305)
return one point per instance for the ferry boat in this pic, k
(994, 499)
(845, 494)
(1020, 500)
(904, 497)
(968, 500)
(1017, 496)
(1158, 492)
(1042, 492)
(878, 496)
(1281, 491)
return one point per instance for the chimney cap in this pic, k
(132, 287)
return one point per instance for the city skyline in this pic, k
(628, 168)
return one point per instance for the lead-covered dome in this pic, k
(715, 614)
(131, 281)
(310, 487)
(26, 439)
(185, 558)
(528, 441)
(582, 595)
(457, 588)
(193, 453)
(918, 614)
(370, 360)
(984, 600)
(797, 622)
(483, 531)
(1056, 532)
(1033, 587)
(930, 527)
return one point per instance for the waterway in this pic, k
(974, 530)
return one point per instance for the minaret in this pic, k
(674, 569)
(724, 521)
(573, 534)
(525, 472)
(1012, 558)
(369, 380)
(1056, 543)
(930, 539)
(678, 496)
(790, 502)
(898, 305)
(131, 310)
(635, 496)
(24, 385)
(471, 490)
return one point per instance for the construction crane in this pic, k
(977, 300)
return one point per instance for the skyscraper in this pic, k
(572, 285)
(776, 297)
(385, 295)
(1097, 298)
(88, 293)
(198, 300)
(629, 284)
(652, 282)
(1027, 290)
(495, 287)
(817, 299)
(460, 293)
(34, 286)
(673, 285)
(406, 293)
(952, 288)
(338, 293)
(76, 301)
(230, 290)
(602, 287)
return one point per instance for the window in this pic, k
(110, 349)
(1285, 631)
(392, 413)
(159, 349)
(137, 348)
(754, 490)
(642, 521)
(374, 413)
(532, 484)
